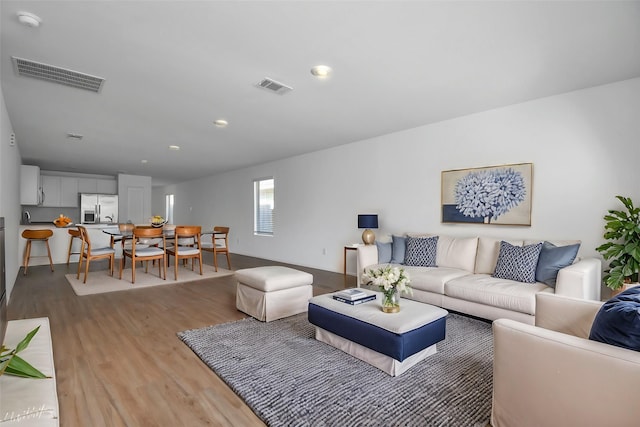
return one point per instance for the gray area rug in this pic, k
(290, 379)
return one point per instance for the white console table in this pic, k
(25, 401)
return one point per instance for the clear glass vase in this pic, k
(391, 301)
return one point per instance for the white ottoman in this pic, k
(273, 292)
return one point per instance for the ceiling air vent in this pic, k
(274, 86)
(38, 70)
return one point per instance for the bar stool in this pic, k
(36, 235)
(75, 234)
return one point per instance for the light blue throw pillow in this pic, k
(421, 251)
(552, 259)
(384, 252)
(398, 246)
(517, 262)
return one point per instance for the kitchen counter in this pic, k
(59, 242)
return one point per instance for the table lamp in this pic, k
(368, 221)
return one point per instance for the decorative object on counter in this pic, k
(157, 221)
(12, 364)
(368, 221)
(489, 195)
(62, 221)
(622, 230)
(391, 281)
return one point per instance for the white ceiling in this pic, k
(172, 67)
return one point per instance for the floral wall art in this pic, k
(488, 195)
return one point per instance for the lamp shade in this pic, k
(368, 221)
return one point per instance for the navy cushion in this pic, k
(399, 245)
(552, 259)
(421, 251)
(384, 252)
(517, 262)
(618, 321)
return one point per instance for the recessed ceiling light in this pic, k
(220, 123)
(143, 161)
(321, 71)
(174, 147)
(29, 19)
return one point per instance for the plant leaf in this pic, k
(25, 342)
(21, 368)
(3, 364)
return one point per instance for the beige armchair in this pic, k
(551, 374)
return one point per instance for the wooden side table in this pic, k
(348, 248)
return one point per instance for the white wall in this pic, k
(9, 196)
(134, 198)
(583, 145)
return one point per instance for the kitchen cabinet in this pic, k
(50, 191)
(68, 192)
(97, 186)
(30, 194)
(59, 191)
(106, 186)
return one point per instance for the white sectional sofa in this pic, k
(463, 280)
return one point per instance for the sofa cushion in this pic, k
(517, 262)
(552, 259)
(432, 279)
(384, 252)
(398, 249)
(495, 292)
(618, 321)
(421, 251)
(488, 249)
(456, 252)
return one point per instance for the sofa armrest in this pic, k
(547, 378)
(573, 316)
(367, 255)
(581, 280)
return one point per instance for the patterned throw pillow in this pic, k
(517, 262)
(421, 251)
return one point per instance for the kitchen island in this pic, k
(59, 243)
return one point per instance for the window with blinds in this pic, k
(263, 206)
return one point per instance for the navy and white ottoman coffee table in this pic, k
(392, 342)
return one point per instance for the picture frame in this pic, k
(499, 195)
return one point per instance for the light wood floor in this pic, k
(118, 359)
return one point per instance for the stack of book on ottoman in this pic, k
(353, 296)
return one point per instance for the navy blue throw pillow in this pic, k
(618, 321)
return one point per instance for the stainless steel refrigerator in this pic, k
(98, 208)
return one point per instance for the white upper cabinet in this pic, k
(69, 192)
(59, 191)
(29, 185)
(50, 191)
(106, 186)
(100, 186)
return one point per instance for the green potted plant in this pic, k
(622, 250)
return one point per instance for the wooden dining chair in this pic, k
(189, 234)
(219, 244)
(141, 251)
(91, 254)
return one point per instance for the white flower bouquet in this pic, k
(391, 281)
